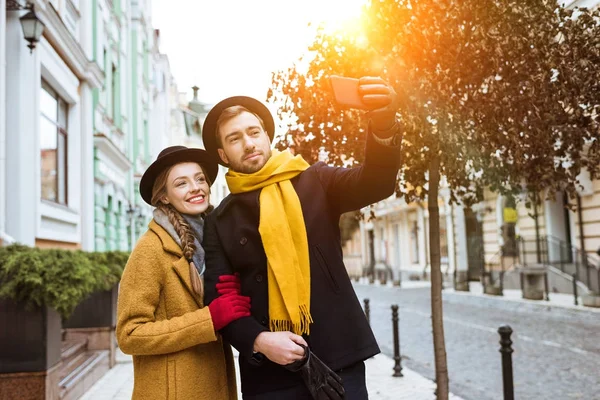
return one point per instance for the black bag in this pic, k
(321, 381)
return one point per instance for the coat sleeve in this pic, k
(350, 189)
(242, 332)
(138, 330)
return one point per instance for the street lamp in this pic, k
(32, 26)
(135, 216)
(132, 213)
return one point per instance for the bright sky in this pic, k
(230, 47)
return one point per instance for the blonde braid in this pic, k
(186, 235)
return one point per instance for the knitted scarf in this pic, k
(197, 225)
(283, 234)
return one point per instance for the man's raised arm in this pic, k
(354, 188)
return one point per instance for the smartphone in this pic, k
(345, 91)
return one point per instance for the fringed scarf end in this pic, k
(300, 328)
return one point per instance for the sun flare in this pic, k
(338, 15)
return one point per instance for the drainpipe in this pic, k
(4, 236)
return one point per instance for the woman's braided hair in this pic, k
(183, 229)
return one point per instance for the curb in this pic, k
(521, 304)
(411, 386)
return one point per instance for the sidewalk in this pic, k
(117, 384)
(560, 301)
(403, 284)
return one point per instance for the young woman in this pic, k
(161, 318)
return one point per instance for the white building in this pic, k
(81, 118)
(46, 137)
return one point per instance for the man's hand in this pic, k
(382, 101)
(280, 347)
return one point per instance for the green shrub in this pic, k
(58, 278)
(111, 263)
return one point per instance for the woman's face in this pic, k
(187, 189)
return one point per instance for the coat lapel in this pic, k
(181, 266)
(182, 269)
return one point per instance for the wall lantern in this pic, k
(32, 26)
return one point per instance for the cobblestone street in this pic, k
(556, 351)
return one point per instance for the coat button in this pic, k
(243, 240)
(259, 278)
(264, 321)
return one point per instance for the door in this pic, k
(475, 251)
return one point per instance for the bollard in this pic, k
(507, 371)
(367, 311)
(575, 289)
(397, 357)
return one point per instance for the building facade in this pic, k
(126, 46)
(46, 131)
(81, 117)
(392, 241)
(496, 235)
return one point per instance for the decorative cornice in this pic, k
(61, 39)
(106, 146)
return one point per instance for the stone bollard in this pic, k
(367, 311)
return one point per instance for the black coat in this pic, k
(340, 334)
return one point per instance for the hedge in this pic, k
(57, 278)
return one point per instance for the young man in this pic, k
(279, 231)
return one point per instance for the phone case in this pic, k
(345, 91)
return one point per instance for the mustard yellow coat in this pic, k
(164, 325)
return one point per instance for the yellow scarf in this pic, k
(283, 234)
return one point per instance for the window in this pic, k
(105, 66)
(397, 246)
(383, 249)
(108, 223)
(118, 223)
(115, 94)
(414, 243)
(443, 240)
(53, 145)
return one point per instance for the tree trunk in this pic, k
(437, 321)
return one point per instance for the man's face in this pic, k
(246, 145)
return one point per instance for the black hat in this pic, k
(175, 155)
(209, 129)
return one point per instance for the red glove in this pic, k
(229, 284)
(228, 308)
